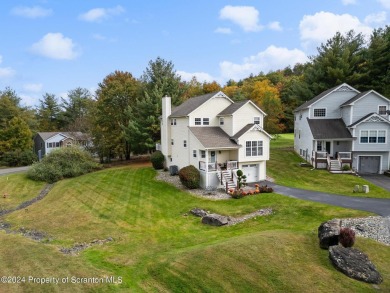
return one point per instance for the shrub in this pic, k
(157, 159)
(19, 158)
(190, 177)
(346, 168)
(63, 163)
(347, 237)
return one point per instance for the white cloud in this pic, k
(275, 26)
(320, 27)
(31, 12)
(223, 30)
(6, 72)
(33, 87)
(385, 3)
(99, 14)
(347, 2)
(376, 18)
(200, 76)
(55, 46)
(272, 58)
(247, 17)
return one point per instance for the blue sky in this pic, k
(53, 46)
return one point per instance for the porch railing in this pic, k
(344, 155)
(204, 166)
(231, 165)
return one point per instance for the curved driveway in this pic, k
(13, 170)
(378, 206)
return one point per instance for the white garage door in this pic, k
(369, 164)
(251, 172)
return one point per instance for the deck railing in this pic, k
(344, 155)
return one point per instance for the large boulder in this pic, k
(354, 263)
(215, 220)
(328, 233)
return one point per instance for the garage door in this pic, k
(369, 164)
(251, 172)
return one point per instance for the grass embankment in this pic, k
(284, 167)
(158, 247)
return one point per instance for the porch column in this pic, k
(207, 168)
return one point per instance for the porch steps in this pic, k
(226, 177)
(335, 165)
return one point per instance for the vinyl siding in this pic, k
(332, 104)
(368, 104)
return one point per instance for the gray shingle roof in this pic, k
(320, 96)
(190, 105)
(213, 137)
(329, 129)
(355, 98)
(369, 115)
(242, 131)
(232, 108)
(75, 135)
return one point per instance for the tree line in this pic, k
(122, 116)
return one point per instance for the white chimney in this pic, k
(165, 128)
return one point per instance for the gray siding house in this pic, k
(343, 126)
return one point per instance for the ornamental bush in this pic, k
(347, 237)
(18, 158)
(63, 163)
(190, 177)
(157, 159)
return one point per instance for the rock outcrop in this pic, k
(215, 220)
(328, 233)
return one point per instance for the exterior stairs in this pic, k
(334, 165)
(226, 178)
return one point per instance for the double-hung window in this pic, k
(320, 112)
(254, 148)
(198, 121)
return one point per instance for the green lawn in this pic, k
(158, 247)
(284, 167)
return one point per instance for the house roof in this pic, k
(361, 95)
(321, 95)
(213, 137)
(192, 103)
(74, 135)
(374, 115)
(246, 128)
(232, 108)
(329, 129)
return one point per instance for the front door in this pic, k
(212, 157)
(328, 147)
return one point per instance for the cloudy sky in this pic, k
(52, 46)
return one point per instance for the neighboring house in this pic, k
(344, 126)
(45, 142)
(217, 136)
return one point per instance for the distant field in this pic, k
(159, 247)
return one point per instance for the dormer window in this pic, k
(256, 120)
(382, 110)
(320, 112)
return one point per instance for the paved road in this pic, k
(378, 206)
(13, 170)
(379, 180)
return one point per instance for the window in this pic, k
(382, 110)
(172, 142)
(373, 136)
(203, 154)
(198, 121)
(381, 136)
(300, 116)
(364, 136)
(256, 120)
(206, 121)
(254, 148)
(57, 144)
(319, 146)
(321, 112)
(194, 153)
(173, 121)
(221, 121)
(299, 133)
(184, 143)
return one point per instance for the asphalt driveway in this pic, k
(379, 180)
(379, 206)
(13, 170)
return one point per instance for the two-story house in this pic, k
(343, 126)
(216, 135)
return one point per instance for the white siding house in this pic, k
(217, 136)
(343, 126)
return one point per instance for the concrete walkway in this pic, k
(13, 170)
(378, 206)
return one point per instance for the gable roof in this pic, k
(361, 95)
(213, 137)
(329, 129)
(193, 103)
(232, 108)
(379, 118)
(73, 135)
(246, 128)
(322, 95)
